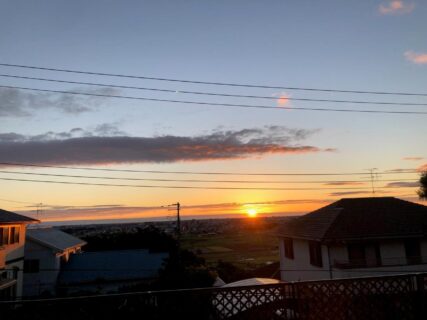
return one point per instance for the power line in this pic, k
(20, 164)
(212, 83)
(182, 187)
(214, 103)
(200, 180)
(21, 202)
(214, 93)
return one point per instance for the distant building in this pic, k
(12, 241)
(107, 271)
(46, 252)
(353, 238)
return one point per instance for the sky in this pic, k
(376, 46)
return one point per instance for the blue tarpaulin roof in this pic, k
(111, 266)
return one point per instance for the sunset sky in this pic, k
(376, 46)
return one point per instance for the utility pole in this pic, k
(178, 217)
(178, 229)
(373, 176)
(39, 209)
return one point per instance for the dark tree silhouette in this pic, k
(422, 191)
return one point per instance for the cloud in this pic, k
(282, 99)
(402, 184)
(20, 103)
(78, 146)
(413, 158)
(396, 7)
(415, 57)
(347, 193)
(422, 168)
(350, 193)
(116, 211)
(344, 183)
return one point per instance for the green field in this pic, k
(247, 249)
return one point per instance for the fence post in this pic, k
(420, 295)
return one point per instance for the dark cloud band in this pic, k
(91, 150)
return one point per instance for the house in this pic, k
(12, 241)
(108, 271)
(46, 252)
(355, 238)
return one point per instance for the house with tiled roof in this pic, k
(12, 241)
(47, 250)
(353, 238)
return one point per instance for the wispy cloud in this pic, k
(413, 158)
(96, 148)
(416, 57)
(422, 168)
(115, 211)
(402, 184)
(19, 103)
(282, 99)
(344, 183)
(396, 7)
(353, 193)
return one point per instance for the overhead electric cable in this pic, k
(211, 83)
(217, 104)
(215, 93)
(327, 182)
(363, 173)
(182, 187)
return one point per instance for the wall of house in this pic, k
(299, 268)
(393, 259)
(14, 256)
(43, 281)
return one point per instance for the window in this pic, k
(14, 235)
(413, 251)
(4, 236)
(9, 235)
(315, 253)
(356, 255)
(288, 244)
(31, 266)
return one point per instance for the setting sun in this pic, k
(252, 213)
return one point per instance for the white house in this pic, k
(353, 238)
(12, 241)
(46, 251)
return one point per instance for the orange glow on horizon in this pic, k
(252, 213)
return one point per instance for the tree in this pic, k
(422, 191)
(184, 269)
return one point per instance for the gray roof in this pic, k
(54, 238)
(11, 217)
(120, 265)
(357, 218)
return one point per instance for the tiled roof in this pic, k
(119, 265)
(11, 217)
(54, 238)
(357, 218)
